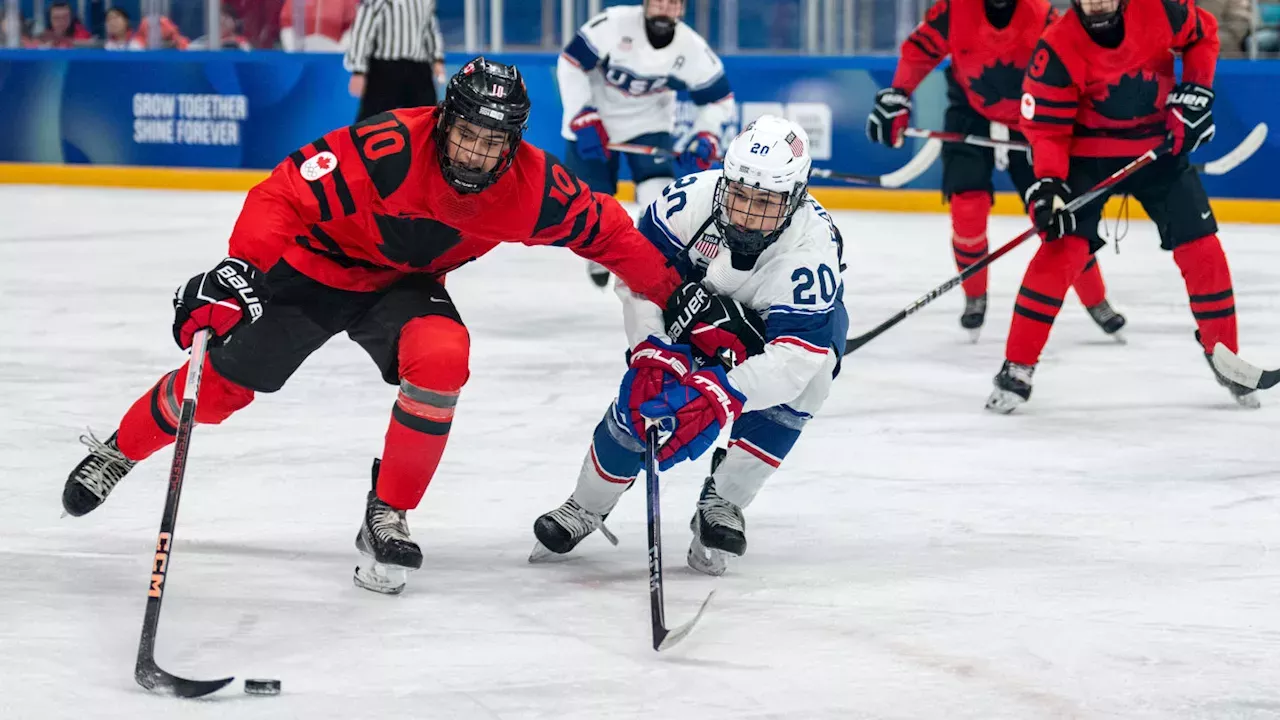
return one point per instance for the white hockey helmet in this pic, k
(765, 179)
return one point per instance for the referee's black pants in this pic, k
(395, 84)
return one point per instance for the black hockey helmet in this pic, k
(1099, 20)
(484, 95)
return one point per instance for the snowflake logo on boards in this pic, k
(318, 165)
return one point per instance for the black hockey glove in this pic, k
(1190, 117)
(889, 118)
(220, 300)
(1046, 203)
(718, 328)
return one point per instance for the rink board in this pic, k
(248, 110)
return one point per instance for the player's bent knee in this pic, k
(969, 212)
(219, 398)
(434, 353)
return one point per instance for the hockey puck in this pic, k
(262, 687)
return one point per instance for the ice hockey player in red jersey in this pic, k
(990, 44)
(354, 233)
(1100, 91)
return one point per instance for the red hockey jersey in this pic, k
(366, 204)
(987, 62)
(1083, 99)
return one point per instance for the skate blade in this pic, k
(1003, 402)
(1119, 337)
(974, 334)
(380, 577)
(542, 554)
(706, 560)
(1249, 401)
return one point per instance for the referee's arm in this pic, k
(435, 44)
(364, 38)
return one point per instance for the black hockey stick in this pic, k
(662, 637)
(1096, 192)
(147, 672)
(1221, 166)
(903, 175)
(1235, 368)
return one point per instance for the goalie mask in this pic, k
(482, 119)
(765, 178)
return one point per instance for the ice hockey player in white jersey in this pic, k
(618, 79)
(751, 244)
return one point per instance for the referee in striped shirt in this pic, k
(396, 54)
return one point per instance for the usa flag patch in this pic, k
(708, 248)
(797, 145)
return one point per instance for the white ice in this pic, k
(1105, 552)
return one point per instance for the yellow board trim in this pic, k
(912, 201)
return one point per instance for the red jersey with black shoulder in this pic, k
(987, 62)
(1083, 99)
(366, 204)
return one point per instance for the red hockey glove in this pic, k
(593, 139)
(1190, 117)
(889, 118)
(220, 300)
(702, 151)
(654, 364)
(700, 407)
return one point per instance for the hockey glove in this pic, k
(700, 153)
(220, 300)
(694, 412)
(718, 328)
(1046, 203)
(1190, 117)
(653, 362)
(889, 118)
(593, 139)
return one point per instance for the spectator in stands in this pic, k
(325, 25)
(229, 27)
(1267, 37)
(65, 29)
(170, 37)
(1234, 23)
(119, 36)
(259, 20)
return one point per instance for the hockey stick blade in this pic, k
(146, 672)
(1234, 368)
(1242, 152)
(663, 638)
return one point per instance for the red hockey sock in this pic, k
(1204, 269)
(433, 358)
(152, 421)
(969, 211)
(1044, 286)
(1089, 286)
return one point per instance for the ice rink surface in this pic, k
(1106, 552)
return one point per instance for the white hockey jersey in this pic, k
(611, 66)
(795, 286)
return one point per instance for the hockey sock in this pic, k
(1089, 286)
(969, 211)
(152, 421)
(1204, 269)
(433, 354)
(758, 443)
(1055, 265)
(613, 461)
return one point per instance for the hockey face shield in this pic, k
(482, 119)
(1098, 15)
(764, 182)
(750, 218)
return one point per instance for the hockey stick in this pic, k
(147, 672)
(1234, 368)
(922, 161)
(1097, 191)
(1221, 166)
(662, 637)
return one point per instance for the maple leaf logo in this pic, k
(415, 242)
(1002, 81)
(322, 163)
(1133, 96)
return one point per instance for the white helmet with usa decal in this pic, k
(765, 180)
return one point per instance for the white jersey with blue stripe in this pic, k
(610, 65)
(795, 285)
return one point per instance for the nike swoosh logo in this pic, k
(1205, 215)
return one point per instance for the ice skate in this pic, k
(1108, 319)
(1012, 387)
(974, 315)
(1245, 397)
(598, 274)
(560, 530)
(719, 530)
(96, 476)
(387, 552)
